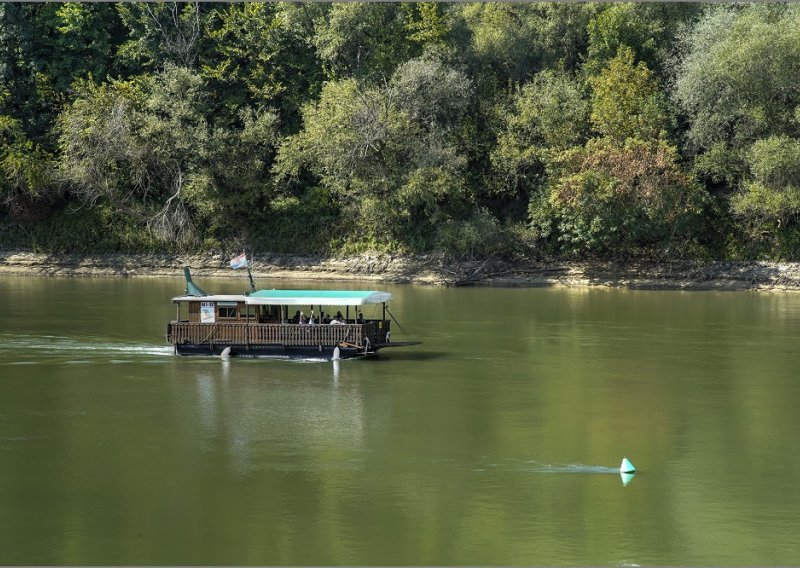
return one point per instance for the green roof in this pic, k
(318, 297)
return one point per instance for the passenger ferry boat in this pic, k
(259, 323)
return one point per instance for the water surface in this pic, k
(494, 442)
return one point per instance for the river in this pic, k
(495, 441)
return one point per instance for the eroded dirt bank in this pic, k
(423, 270)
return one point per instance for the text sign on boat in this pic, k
(206, 312)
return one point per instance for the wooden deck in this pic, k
(251, 333)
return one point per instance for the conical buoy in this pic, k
(626, 466)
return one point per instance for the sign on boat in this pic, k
(259, 324)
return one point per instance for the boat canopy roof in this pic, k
(317, 297)
(296, 298)
(211, 298)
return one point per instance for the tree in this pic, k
(737, 83)
(433, 95)
(738, 80)
(548, 114)
(88, 36)
(515, 41)
(26, 182)
(649, 29)
(161, 33)
(627, 102)
(137, 145)
(606, 198)
(363, 40)
(427, 24)
(771, 194)
(238, 186)
(388, 159)
(257, 56)
(44, 48)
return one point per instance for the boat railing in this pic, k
(251, 333)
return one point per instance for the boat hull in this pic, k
(274, 351)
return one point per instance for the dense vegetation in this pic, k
(651, 130)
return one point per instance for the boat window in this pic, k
(227, 312)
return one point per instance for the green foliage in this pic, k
(737, 83)
(312, 224)
(87, 36)
(432, 94)
(427, 23)
(390, 160)
(83, 231)
(647, 28)
(515, 41)
(721, 165)
(606, 199)
(364, 40)
(772, 194)
(467, 128)
(44, 47)
(548, 114)
(159, 33)
(627, 102)
(25, 172)
(257, 56)
(480, 236)
(138, 145)
(738, 79)
(238, 186)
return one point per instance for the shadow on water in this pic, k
(411, 356)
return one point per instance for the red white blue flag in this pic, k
(239, 262)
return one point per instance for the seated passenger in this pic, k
(296, 318)
(302, 320)
(311, 320)
(360, 318)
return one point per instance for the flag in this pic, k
(239, 262)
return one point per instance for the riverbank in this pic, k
(431, 270)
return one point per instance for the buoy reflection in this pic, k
(626, 478)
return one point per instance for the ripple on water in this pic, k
(83, 349)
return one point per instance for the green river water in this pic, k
(496, 441)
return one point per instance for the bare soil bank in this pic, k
(423, 270)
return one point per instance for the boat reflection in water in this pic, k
(254, 423)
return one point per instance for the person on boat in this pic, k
(324, 317)
(296, 318)
(337, 320)
(360, 318)
(302, 320)
(311, 320)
